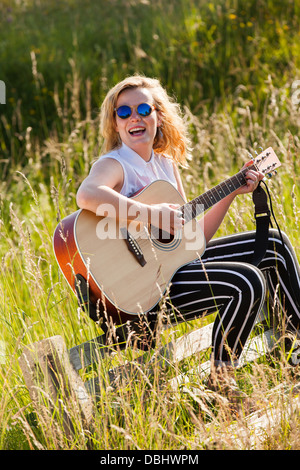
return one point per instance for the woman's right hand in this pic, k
(167, 217)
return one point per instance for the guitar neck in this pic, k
(203, 202)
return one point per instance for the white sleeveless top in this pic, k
(138, 173)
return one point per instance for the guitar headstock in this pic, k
(267, 162)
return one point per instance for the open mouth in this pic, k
(136, 131)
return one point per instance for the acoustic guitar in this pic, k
(129, 267)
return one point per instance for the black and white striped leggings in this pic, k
(225, 281)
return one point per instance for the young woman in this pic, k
(145, 139)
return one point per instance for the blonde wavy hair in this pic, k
(173, 140)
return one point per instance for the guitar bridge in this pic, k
(133, 246)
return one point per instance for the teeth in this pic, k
(137, 129)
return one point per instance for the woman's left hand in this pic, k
(253, 178)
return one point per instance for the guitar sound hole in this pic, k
(160, 235)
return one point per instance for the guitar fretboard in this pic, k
(203, 202)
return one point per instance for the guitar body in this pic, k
(125, 287)
(127, 268)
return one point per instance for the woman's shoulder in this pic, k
(107, 162)
(111, 158)
(111, 154)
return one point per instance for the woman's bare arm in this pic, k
(99, 193)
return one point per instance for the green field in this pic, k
(234, 66)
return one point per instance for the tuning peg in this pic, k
(270, 173)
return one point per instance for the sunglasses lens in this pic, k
(124, 112)
(144, 109)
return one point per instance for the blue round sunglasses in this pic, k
(143, 109)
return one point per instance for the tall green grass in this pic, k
(232, 67)
(202, 51)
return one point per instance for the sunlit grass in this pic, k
(47, 147)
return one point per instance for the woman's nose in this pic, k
(135, 115)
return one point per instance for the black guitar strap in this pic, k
(263, 222)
